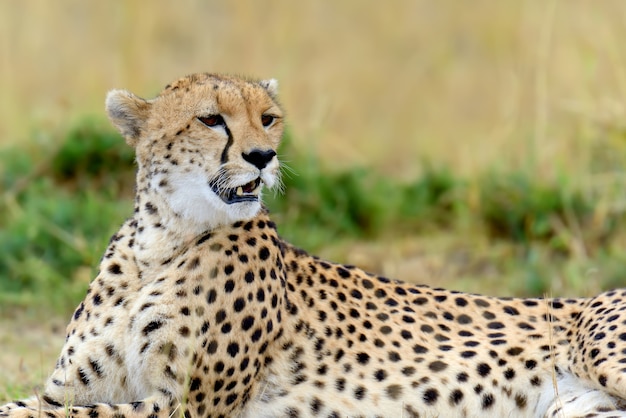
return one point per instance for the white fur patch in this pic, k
(572, 398)
(193, 199)
(271, 86)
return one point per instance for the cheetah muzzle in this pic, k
(200, 309)
(248, 192)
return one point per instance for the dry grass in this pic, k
(380, 84)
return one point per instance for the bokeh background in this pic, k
(475, 145)
(379, 84)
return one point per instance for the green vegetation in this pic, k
(59, 206)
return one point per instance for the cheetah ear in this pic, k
(271, 86)
(128, 113)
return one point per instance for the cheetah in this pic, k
(200, 309)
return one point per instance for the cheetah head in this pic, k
(205, 146)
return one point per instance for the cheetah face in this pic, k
(242, 180)
(206, 145)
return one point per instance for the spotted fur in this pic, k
(201, 309)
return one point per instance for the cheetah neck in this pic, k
(161, 234)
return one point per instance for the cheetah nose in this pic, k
(259, 158)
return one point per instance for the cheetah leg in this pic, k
(154, 407)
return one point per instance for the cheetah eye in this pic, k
(267, 120)
(212, 120)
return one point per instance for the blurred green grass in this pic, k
(59, 205)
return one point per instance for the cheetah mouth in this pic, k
(248, 192)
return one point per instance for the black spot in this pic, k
(430, 396)
(408, 371)
(239, 304)
(247, 323)
(150, 208)
(264, 253)
(594, 353)
(488, 400)
(363, 358)
(46, 398)
(256, 335)
(557, 305)
(343, 272)
(115, 269)
(419, 349)
(514, 351)
(464, 319)
(96, 367)
(82, 376)
(231, 398)
(400, 291)
(152, 326)
(193, 264)
(340, 384)
(97, 299)
(483, 369)
(394, 391)
(437, 366)
(316, 405)
(380, 375)
(511, 310)
(203, 238)
(456, 397)
(526, 326)
(79, 311)
(212, 347)
(211, 296)
(359, 392)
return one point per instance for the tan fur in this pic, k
(200, 309)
